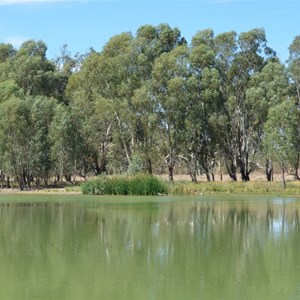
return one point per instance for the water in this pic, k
(79, 247)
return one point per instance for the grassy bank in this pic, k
(220, 187)
(151, 185)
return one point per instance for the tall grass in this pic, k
(141, 184)
(251, 187)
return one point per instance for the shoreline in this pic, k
(183, 186)
(46, 191)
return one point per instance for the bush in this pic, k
(141, 184)
(136, 166)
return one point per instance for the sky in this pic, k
(85, 24)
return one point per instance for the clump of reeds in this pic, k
(141, 184)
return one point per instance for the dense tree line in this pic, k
(150, 102)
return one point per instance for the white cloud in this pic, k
(12, 2)
(16, 41)
(241, 1)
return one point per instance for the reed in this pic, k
(140, 184)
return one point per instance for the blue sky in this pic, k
(90, 23)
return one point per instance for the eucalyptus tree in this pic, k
(8, 90)
(112, 90)
(65, 66)
(238, 61)
(280, 134)
(225, 47)
(129, 91)
(25, 145)
(294, 72)
(35, 74)
(60, 132)
(93, 127)
(32, 70)
(106, 84)
(42, 110)
(250, 60)
(15, 128)
(170, 80)
(8, 86)
(118, 79)
(204, 103)
(268, 88)
(150, 42)
(146, 140)
(7, 54)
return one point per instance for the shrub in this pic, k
(136, 166)
(124, 185)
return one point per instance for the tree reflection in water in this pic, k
(173, 249)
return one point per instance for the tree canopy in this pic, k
(150, 102)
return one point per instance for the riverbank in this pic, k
(182, 186)
(237, 188)
(43, 191)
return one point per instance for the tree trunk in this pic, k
(244, 172)
(100, 167)
(207, 175)
(149, 166)
(24, 179)
(245, 176)
(21, 182)
(296, 174)
(269, 170)
(192, 169)
(28, 180)
(37, 183)
(231, 169)
(171, 178)
(190, 164)
(193, 176)
(220, 172)
(170, 161)
(283, 179)
(2, 179)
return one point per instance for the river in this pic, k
(88, 247)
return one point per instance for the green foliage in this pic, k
(124, 185)
(135, 165)
(280, 139)
(149, 102)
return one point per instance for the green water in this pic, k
(75, 247)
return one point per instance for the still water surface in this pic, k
(80, 247)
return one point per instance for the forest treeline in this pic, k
(150, 102)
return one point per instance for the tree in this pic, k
(41, 115)
(92, 115)
(280, 135)
(294, 71)
(204, 100)
(15, 128)
(62, 135)
(170, 86)
(249, 57)
(267, 89)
